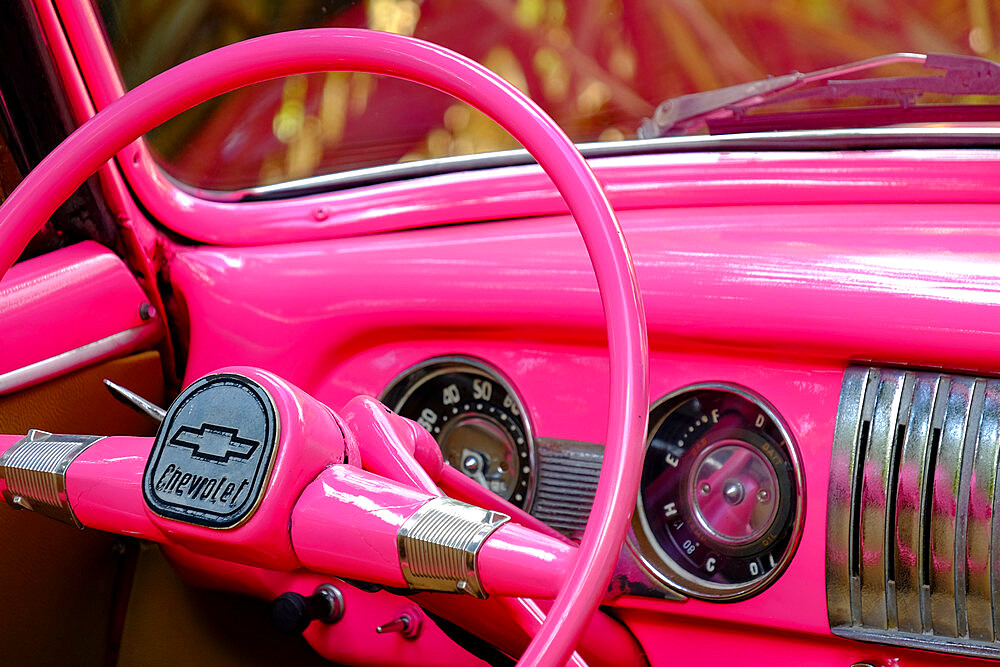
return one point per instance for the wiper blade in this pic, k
(963, 75)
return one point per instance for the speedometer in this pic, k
(720, 504)
(476, 419)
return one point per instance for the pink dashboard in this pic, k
(407, 414)
(779, 300)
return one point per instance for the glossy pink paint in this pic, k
(834, 266)
(66, 299)
(104, 484)
(104, 488)
(346, 523)
(673, 640)
(338, 526)
(518, 562)
(401, 450)
(141, 239)
(510, 624)
(37, 196)
(393, 442)
(771, 281)
(648, 181)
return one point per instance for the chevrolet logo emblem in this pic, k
(214, 443)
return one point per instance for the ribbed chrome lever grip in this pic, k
(33, 471)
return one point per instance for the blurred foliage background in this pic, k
(597, 66)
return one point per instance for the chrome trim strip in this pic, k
(979, 553)
(796, 140)
(924, 642)
(118, 343)
(439, 546)
(840, 526)
(33, 471)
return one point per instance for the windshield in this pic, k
(598, 67)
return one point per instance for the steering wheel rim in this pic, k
(325, 49)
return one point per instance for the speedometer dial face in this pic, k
(477, 420)
(720, 505)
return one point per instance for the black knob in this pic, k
(292, 612)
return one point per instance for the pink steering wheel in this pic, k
(273, 56)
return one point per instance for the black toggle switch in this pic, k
(291, 613)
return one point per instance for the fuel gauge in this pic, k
(720, 505)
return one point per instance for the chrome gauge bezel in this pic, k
(646, 548)
(411, 379)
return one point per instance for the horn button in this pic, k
(231, 440)
(213, 454)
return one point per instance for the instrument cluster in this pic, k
(720, 506)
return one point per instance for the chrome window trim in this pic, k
(801, 140)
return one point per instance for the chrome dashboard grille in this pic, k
(912, 540)
(567, 480)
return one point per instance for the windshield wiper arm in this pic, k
(963, 75)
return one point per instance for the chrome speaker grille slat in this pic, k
(980, 552)
(877, 499)
(911, 552)
(909, 557)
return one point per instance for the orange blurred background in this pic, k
(597, 66)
